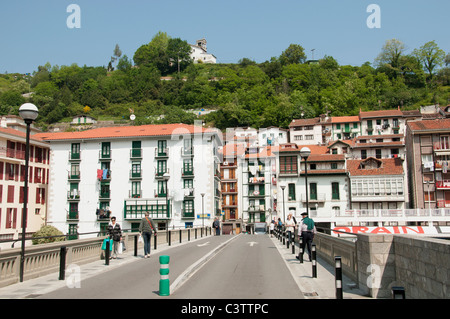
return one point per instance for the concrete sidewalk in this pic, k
(324, 285)
(33, 288)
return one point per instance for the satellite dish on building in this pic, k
(132, 117)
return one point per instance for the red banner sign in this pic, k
(385, 230)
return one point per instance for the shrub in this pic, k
(47, 231)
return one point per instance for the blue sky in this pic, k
(34, 32)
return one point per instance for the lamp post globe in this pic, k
(28, 112)
(305, 152)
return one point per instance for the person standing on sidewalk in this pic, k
(216, 225)
(307, 230)
(146, 229)
(115, 233)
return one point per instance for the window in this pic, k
(336, 211)
(162, 167)
(136, 190)
(188, 166)
(378, 153)
(106, 149)
(162, 188)
(75, 151)
(162, 147)
(136, 169)
(298, 137)
(136, 150)
(334, 190)
(10, 194)
(188, 183)
(363, 154)
(288, 165)
(309, 137)
(334, 166)
(291, 191)
(313, 191)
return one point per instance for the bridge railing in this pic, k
(44, 259)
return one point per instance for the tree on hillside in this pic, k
(166, 54)
(431, 56)
(178, 52)
(389, 57)
(293, 54)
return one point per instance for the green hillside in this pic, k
(265, 94)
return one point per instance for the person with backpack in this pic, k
(307, 230)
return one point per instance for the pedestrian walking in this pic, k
(290, 226)
(216, 225)
(280, 224)
(272, 227)
(146, 229)
(115, 233)
(307, 230)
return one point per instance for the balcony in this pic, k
(229, 191)
(314, 198)
(189, 192)
(136, 153)
(229, 204)
(105, 195)
(72, 216)
(160, 193)
(256, 209)
(256, 180)
(74, 176)
(162, 173)
(187, 151)
(104, 174)
(73, 195)
(161, 153)
(136, 174)
(444, 184)
(256, 193)
(187, 213)
(187, 172)
(137, 193)
(104, 155)
(74, 156)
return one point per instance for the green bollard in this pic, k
(164, 282)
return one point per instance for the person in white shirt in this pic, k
(290, 226)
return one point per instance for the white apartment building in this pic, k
(171, 171)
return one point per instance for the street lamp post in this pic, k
(284, 217)
(203, 209)
(304, 153)
(28, 112)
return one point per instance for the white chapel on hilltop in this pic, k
(199, 53)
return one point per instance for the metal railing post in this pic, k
(62, 263)
(338, 277)
(314, 261)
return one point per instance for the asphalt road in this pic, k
(218, 267)
(248, 267)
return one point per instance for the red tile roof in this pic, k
(20, 134)
(389, 166)
(345, 119)
(381, 113)
(425, 125)
(124, 131)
